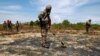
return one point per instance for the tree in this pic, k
(80, 25)
(37, 22)
(65, 23)
(31, 23)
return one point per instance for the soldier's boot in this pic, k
(45, 44)
(63, 45)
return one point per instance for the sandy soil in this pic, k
(28, 44)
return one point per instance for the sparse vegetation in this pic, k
(63, 25)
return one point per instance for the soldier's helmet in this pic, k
(89, 20)
(17, 21)
(4, 21)
(48, 8)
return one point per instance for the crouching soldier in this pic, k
(88, 25)
(45, 23)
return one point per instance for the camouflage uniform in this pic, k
(88, 25)
(45, 23)
(5, 25)
(17, 26)
(9, 25)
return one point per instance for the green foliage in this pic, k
(57, 26)
(37, 22)
(96, 26)
(31, 23)
(80, 25)
(26, 23)
(65, 23)
(62, 25)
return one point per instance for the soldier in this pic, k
(17, 26)
(5, 25)
(88, 25)
(9, 25)
(45, 23)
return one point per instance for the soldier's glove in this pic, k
(48, 27)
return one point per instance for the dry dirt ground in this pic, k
(28, 44)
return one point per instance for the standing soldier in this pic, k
(17, 26)
(45, 23)
(9, 24)
(5, 25)
(88, 25)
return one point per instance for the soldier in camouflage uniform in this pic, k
(45, 23)
(88, 25)
(9, 25)
(17, 26)
(5, 25)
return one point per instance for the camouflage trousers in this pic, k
(44, 32)
(87, 29)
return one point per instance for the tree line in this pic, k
(65, 24)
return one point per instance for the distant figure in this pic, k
(88, 25)
(31, 24)
(17, 26)
(45, 23)
(9, 25)
(5, 25)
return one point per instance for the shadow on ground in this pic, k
(32, 47)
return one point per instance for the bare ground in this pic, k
(28, 44)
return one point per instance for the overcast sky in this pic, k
(72, 10)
